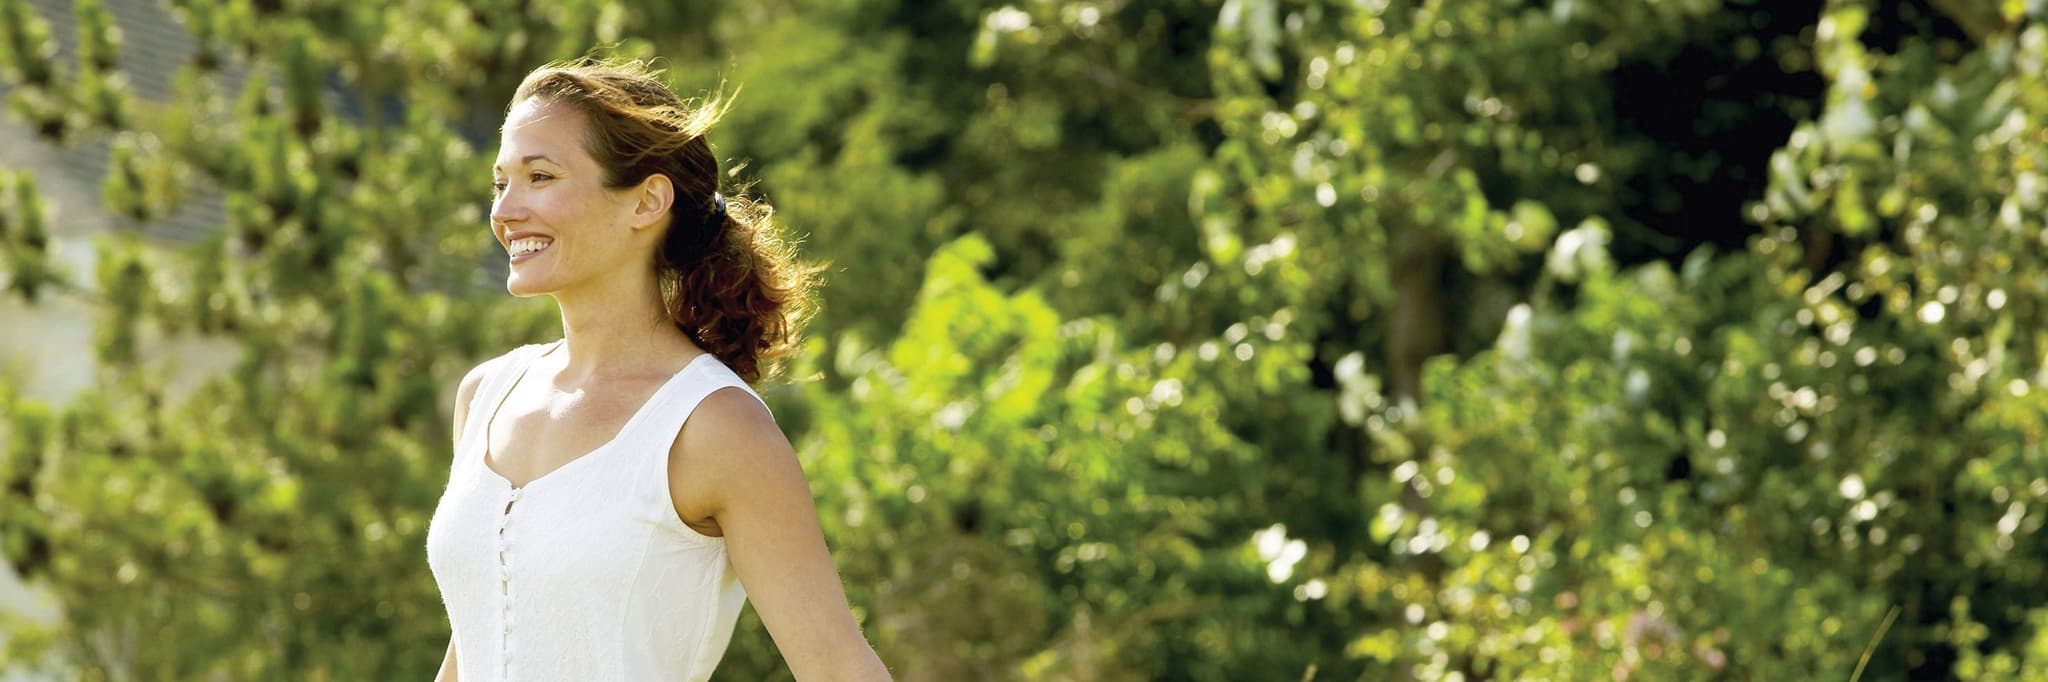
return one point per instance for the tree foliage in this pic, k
(1398, 339)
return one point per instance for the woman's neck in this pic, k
(615, 328)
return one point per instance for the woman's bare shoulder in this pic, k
(723, 449)
(730, 416)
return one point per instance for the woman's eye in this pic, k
(498, 186)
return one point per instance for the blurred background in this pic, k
(1176, 340)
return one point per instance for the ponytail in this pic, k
(734, 285)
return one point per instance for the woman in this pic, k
(618, 495)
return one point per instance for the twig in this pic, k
(1874, 637)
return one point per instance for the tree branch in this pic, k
(1977, 18)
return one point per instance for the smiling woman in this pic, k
(622, 492)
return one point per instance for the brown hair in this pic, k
(728, 278)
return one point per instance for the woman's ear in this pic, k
(652, 199)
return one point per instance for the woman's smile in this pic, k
(527, 248)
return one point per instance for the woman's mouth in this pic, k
(526, 248)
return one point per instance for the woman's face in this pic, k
(558, 223)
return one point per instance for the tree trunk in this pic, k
(1418, 325)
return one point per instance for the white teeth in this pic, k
(529, 245)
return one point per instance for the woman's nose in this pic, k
(507, 208)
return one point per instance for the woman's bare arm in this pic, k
(734, 463)
(447, 673)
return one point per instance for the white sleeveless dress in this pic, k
(585, 573)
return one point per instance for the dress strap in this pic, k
(677, 401)
(504, 371)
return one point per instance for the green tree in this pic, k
(1401, 339)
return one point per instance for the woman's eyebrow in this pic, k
(530, 158)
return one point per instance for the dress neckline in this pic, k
(632, 421)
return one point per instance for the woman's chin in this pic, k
(526, 287)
